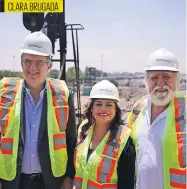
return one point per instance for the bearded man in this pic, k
(159, 126)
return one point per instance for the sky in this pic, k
(123, 32)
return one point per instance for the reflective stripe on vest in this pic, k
(61, 111)
(178, 178)
(139, 105)
(94, 185)
(175, 134)
(181, 129)
(10, 108)
(7, 146)
(109, 158)
(10, 100)
(99, 171)
(78, 183)
(57, 104)
(59, 100)
(6, 102)
(59, 141)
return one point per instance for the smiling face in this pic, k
(35, 69)
(162, 86)
(103, 111)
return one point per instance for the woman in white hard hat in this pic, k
(105, 155)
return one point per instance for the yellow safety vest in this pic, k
(174, 140)
(57, 116)
(100, 171)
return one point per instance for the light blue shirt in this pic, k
(33, 112)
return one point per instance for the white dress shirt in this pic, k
(149, 152)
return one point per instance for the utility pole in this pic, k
(131, 87)
(101, 65)
(13, 63)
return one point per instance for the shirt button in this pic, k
(32, 155)
(33, 125)
(34, 112)
(33, 140)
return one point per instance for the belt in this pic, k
(34, 176)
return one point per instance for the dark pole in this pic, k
(1, 5)
(74, 52)
(62, 41)
(78, 78)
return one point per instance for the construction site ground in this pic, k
(128, 96)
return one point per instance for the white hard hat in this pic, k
(104, 90)
(162, 59)
(37, 43)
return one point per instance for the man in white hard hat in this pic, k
(38, 132)
(159, 126)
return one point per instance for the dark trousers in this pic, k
(31, 181)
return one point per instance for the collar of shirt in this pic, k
(42, 92)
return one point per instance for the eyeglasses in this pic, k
(38, 63)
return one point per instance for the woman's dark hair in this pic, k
(115, 123)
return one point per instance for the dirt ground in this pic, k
(128, 96)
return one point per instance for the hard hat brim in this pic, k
(104, 97)
(28, 51)
(161, 68)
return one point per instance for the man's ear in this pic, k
(49, 66)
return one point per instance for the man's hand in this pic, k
(67, 183)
